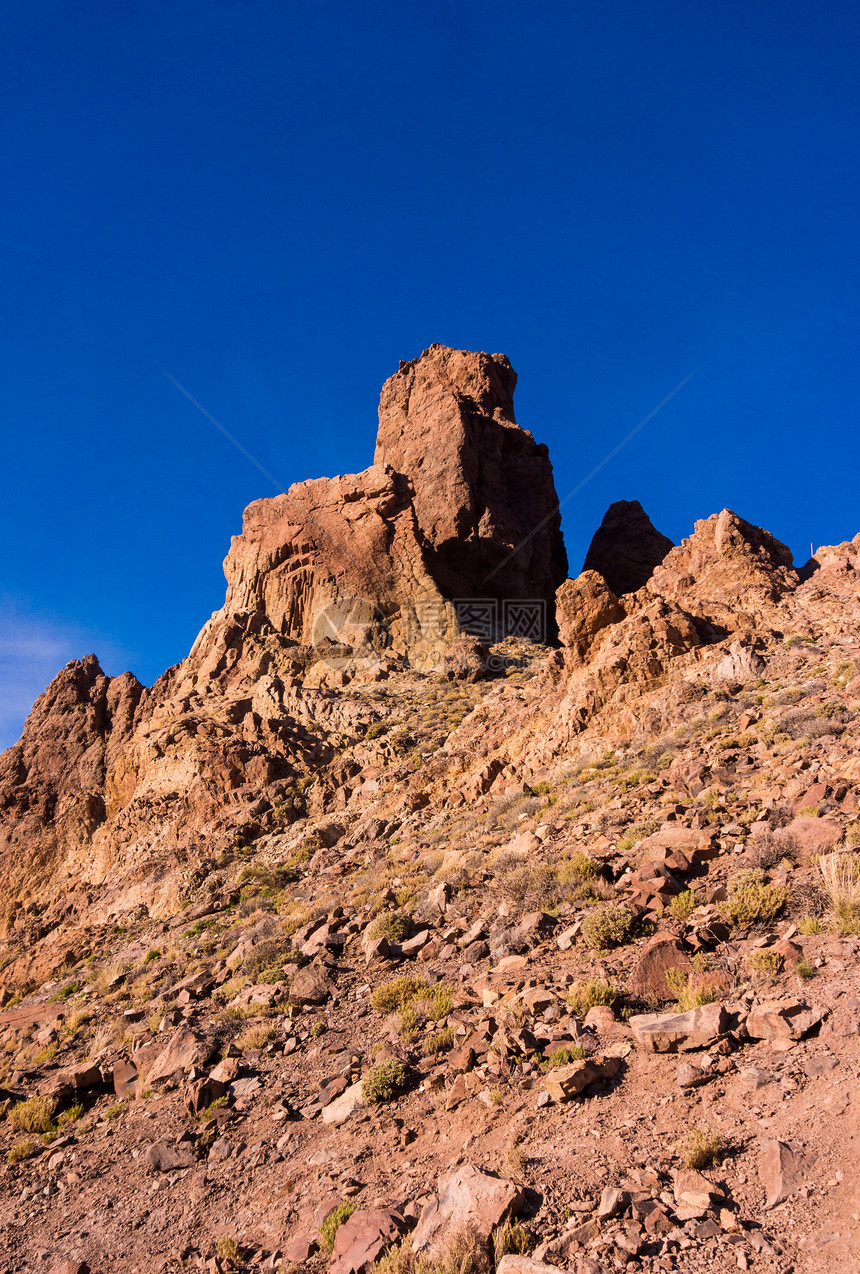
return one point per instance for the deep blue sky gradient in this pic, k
(277, 202)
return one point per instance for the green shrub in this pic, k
(678, 983)
(750, 901)
(808, 925)
(227, 1249)
(36, 1114)
(397, 993)
(562, 1056)
(439, 1041)
(334, 1221)
(382, 1081)
(396, 926)
(511, 1238)
(607, 926)
(23, 1150)
(583, 996)
(683, 905)
(767, 963)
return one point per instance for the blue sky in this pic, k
(277, 202)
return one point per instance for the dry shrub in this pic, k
(700, 1149)
(607, 926)
(750, 901)
(766, 848)
(840, 872)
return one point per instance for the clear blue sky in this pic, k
(277, 202)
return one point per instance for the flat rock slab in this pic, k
(342, 1107)
(363, 1237)
(513, 1264)
(468, 1198)
(782, 1170)
(568, 1081)
(183, 1051)
(680, 1032)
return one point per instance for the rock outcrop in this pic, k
(459, 504)
(626, 547)
(484, 498)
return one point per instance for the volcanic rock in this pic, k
(626, 547)
(468, 1198)
(484, 498)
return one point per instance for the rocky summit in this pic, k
(440, 912)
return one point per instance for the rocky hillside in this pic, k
(441, 911)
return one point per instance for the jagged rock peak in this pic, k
(483, 490)
(626, 547)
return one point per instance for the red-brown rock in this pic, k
(626, 547)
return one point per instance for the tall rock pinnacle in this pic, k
(483, 491)
(626, 547)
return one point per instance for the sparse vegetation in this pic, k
(382, 1081)
(256, 1036)
(700, 1149)
(607, 926)
(840, 872)
(334, 1221)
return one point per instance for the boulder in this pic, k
(782, 1169)
(585, 607)
(125, 1079)
(648, 977)
(680, 1032)
(201, 1094)
(782, 1019)
(164, 1157)
(468, 1198)
(183, 1052)
(465, 660)
(363, 1237)
(565, 1082)
(484, 497)
(814, 835)
(310, 986)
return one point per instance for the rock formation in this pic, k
(351, 905)
(626, 547)
(483, 491)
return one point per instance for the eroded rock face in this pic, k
(626, 547)
(459, 504)
(729, 573)
(53, 781)
(484, 497)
